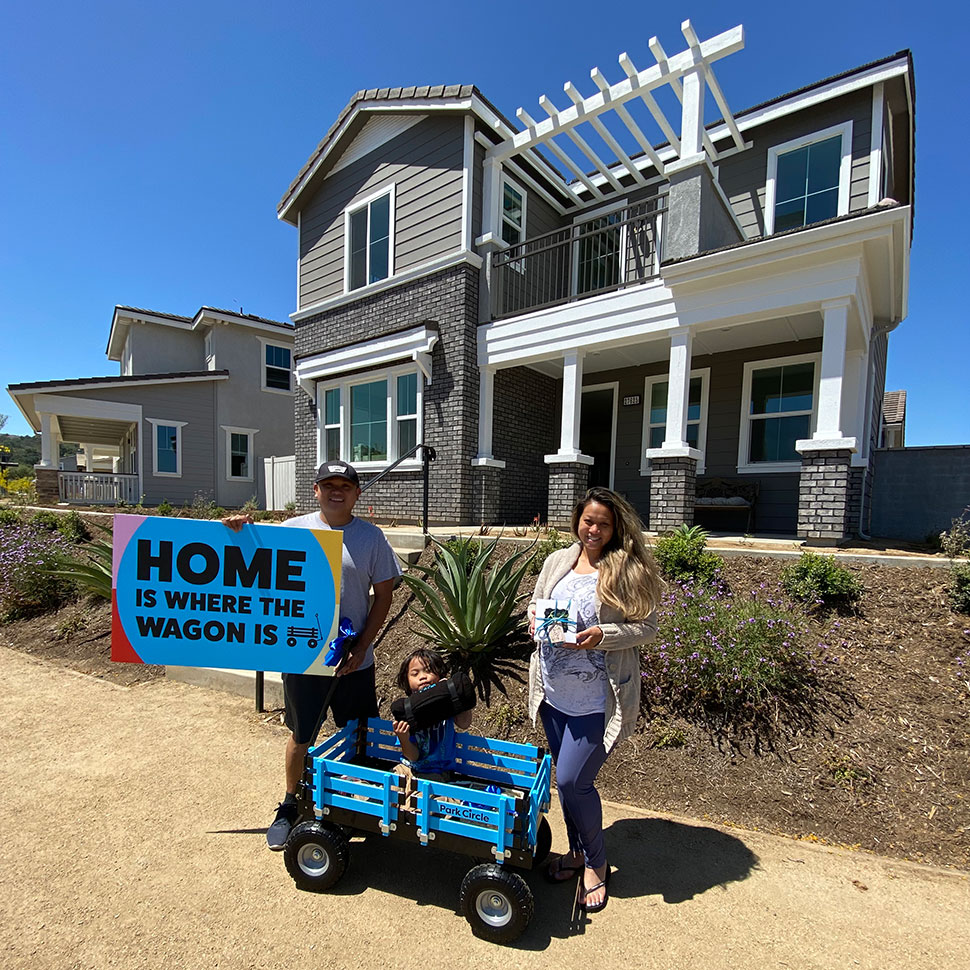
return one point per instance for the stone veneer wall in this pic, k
(568, 482)
(48, 489)
(673, 488)
(449, 301)
(829, 496)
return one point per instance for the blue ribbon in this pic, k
(342, 643)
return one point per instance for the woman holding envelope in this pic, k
(592, 607)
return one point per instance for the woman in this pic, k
(588, 693)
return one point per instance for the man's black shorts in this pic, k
(303, 695)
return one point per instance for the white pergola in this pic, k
(689, 74)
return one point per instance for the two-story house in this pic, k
(199, 402)
(710, 306)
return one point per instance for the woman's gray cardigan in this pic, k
(621, 640)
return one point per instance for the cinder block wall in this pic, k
(917, 492)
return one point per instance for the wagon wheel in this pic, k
(497, 903)
(316, 856)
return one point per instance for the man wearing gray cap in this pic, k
(368, 562)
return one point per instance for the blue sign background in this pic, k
(166, 631)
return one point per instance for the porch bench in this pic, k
(729, 494)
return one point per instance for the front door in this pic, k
(597, 432)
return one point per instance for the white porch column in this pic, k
(47, 448)
(88, 457)
(572, 400)
(678, 389)
(828, 429)
(486, 408)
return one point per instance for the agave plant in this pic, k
(467, 604)
(93, 576)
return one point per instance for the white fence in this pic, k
(279, 475)
(93, 488)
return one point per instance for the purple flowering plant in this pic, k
(27, 552)
(726, 658)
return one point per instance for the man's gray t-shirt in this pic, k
(367, 559)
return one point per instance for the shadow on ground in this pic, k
(650, 857)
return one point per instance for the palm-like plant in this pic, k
(93, 576)
(467, 604)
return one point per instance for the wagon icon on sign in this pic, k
(306, 632)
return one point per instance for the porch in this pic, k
(97, 488)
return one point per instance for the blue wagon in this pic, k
(494, 809)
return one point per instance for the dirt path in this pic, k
(132, 823)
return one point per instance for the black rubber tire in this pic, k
(543, 842)
(496, 902)
(316, 855)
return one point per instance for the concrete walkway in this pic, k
(132, 823)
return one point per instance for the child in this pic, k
(430, 752)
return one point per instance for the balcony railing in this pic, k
(605, 253)
(96, 488)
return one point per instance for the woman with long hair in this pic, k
(587, 693)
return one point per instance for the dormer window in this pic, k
(369, 229)
(808, 179)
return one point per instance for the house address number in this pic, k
(631, 399)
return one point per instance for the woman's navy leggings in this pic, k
(576, 743)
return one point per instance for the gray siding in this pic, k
(425, 165)
(743, 176)
(158, 349)
(193, 403)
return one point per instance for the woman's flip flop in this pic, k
(557, 872)
(603, 884)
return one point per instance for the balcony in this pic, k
(96, 488)
(609, 252)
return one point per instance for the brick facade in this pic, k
(526, 409)
(568, 482)
(48, 490)
(673, 488)
(829, 497)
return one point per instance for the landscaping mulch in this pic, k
(884, 765)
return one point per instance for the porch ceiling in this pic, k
(92, 430)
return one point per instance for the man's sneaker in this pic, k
(277, 834)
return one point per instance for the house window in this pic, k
(239, 453)
(513, 213)
(331, 433)
(369, 233)
(166, 447)
(808, 179)
(370, 421)
(276, 367)
(655, 413)
(778, 410)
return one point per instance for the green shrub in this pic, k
(552, 541)
(955, 542)
(732, 661)
(820, 580)
(682, 557)
(9, 517)
(72, 527)
(466, 602)
(45, 519)
(91, 573)
(251, 505)
(960, 587)
(164, 507)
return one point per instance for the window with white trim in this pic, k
(166, 447)
(513, 212)
(655, 391)
(369, 229)
(239, 453)
(778, 408)
(370, 420)
(277, 367)
(808, 179)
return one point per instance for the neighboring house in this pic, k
(199, 403)
(893, 420)
(709, 313)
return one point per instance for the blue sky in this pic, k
(144, 146)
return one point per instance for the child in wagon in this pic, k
(427, 753)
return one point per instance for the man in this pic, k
(368, 562)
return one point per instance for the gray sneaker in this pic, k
(286, 816)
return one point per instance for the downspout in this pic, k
(877, 331)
